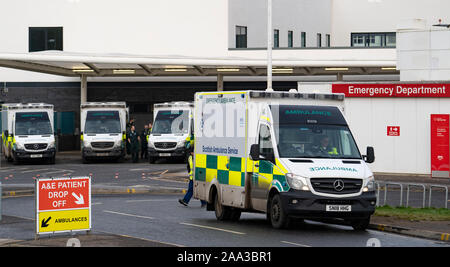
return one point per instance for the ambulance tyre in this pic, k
(223, 213)
(235, 215)
(360, 225)
(51, 160)
(151, 160)
(278, 217)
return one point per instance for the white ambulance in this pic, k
(172, 128)
(27, 132)
(103, 130)
(286, 154)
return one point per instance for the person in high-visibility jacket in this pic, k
(325, 148)
(190, 167)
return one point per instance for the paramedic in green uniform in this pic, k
(134, 139)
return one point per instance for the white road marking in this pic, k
(150, 200)
(13, 169)
(36, 171)
(130, 215)
(295, 244)
(213, 228)
(58, 171)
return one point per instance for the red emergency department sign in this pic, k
(392, 90)
(440, 145)
(63, 204)
(393, 131)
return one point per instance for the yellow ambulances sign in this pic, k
(57, 221)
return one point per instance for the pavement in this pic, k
(436, 230)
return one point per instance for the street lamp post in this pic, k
(269, 45)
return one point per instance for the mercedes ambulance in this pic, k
(27, 132)
(103, 130)
(172, 128)
(286, 154)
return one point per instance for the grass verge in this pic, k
(414, 214)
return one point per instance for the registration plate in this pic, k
(102, 154)
(339, 208)
(164, 154)
(36, 156)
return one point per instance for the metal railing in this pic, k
(386, 185)
(438, 186)
(408, 186)
(424, 187)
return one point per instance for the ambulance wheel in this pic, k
(151, 160)
(278, 217)
(223, 213)
(360, 225)
(235, 215)
(51, 160)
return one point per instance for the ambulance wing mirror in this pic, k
(6, 133)
(254, 152)
(370, 155)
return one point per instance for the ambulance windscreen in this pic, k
(102, 122)
(313, 132)
(33, 123)
(171, 122)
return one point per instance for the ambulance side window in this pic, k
(265, 143)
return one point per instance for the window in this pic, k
(276, 38)
(265, 143)
(303, 41)
(328, 37)
(48, 38)
(391, 40)
(373, 39)
(241, 37)
(319, 40)
(290, 39)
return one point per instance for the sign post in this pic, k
(63, 205)
(440, 146)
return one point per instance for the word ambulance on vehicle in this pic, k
(27, 132)
(103, 130)
(286, 154)
(172, 128)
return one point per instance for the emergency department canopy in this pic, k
(309, 62)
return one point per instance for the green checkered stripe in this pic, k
(270, 174)
(228, 171)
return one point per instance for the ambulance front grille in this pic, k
(35, 146)
(338, 186)
(165, 145)
(103, 145)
